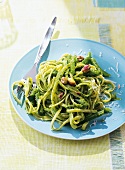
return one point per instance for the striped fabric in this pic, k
(117, 154)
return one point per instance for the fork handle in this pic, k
(45, 41)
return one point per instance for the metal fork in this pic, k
(33, 71)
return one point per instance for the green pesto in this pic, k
(75, 103)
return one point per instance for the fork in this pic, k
(33, 71)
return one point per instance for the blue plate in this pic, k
(109, 59)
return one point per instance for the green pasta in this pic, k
(71, 91)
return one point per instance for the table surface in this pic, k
(21, 147)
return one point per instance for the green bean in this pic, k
(104, 73)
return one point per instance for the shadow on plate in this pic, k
(59, 146)
(95, 124)
(98, 123)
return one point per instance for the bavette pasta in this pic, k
(71, 91)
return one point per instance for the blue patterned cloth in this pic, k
(109, 3)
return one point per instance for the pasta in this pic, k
(71, 91)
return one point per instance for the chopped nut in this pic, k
(71, 81)
(64, 80)
(80, 58)
(61, 95)
(78, 93)
(86, 68)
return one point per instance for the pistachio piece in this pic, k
(64, 80)
(80, 58)
(61, 95)
(86, 68)
(71, 81)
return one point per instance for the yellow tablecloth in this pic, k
(21, 147)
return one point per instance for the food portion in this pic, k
(71, 91)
